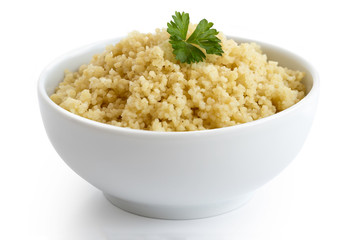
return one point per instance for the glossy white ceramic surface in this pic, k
(177, 175)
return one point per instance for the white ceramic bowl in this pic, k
(177, 175)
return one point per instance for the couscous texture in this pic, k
(137, 83)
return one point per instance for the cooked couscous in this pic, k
(138, 83)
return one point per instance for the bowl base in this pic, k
(179, 212)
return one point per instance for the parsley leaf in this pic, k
(179, 27)
(186, 50)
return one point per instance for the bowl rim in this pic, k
(144, 133)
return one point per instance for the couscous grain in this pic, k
(137, 83)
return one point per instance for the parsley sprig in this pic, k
(186, 50)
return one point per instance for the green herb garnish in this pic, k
(186, 50)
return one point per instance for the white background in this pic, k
(316, 197)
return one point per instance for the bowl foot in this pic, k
(179, 212)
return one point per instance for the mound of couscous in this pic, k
(138, 83)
